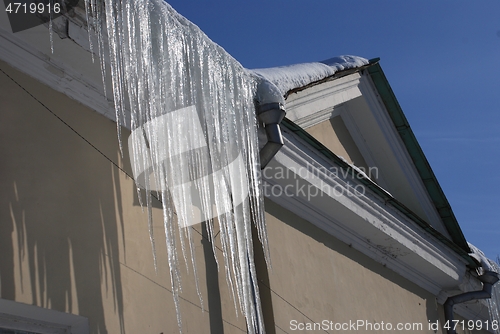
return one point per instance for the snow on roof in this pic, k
(486, 263)
(290, 77)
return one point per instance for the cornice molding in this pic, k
(362, 221)
(323, 99)
(398, 148)
(53, 73)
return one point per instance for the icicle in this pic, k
(494, 306)
(51, 30)
(194, 137)
(150, 227)
(89, 26)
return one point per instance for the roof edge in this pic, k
(421, 163)
(337, 75)
(299, 131)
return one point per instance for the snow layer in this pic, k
(486, 263)
(290, 77)
(490, 265)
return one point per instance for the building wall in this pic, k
(335, 136)
(316, 277)
(74, 238)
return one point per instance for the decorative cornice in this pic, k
(54, 73)
(388, 100)
(363, 221)
(399, 150)
(324, 97)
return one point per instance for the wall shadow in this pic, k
(60, 214)
(213, 290)
(264, 284)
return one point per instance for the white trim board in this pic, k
(394, 141)
(365, 222)
(16, 51)
(318, 103)
(20, 316)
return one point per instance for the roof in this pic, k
(297, 77)
(423, 167)
(291, 77)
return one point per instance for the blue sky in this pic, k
(441, 59)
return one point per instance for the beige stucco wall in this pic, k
(334, 135)
(316, 277)
(74, 239)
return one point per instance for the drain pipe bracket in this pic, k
(270, 111)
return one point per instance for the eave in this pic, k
(457, 243)
(297, 130)
(365, 221)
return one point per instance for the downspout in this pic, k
(488, 278)
(270, 111)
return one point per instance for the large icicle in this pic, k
(194, 137)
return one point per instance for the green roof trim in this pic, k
(458, 243)
(417, 155)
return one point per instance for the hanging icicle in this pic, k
(194, 135)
